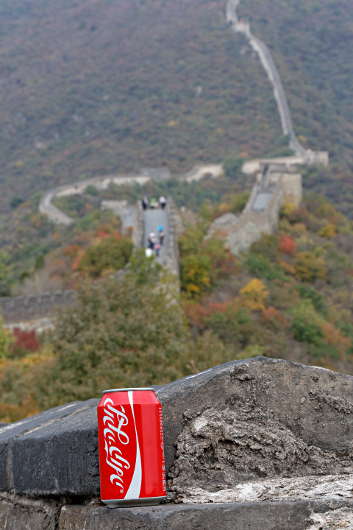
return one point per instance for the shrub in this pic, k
(238, 203)
(92, 190)
(323, 350)
(266, 246)
(25, 341)
(273, 318)
(287, 246)
(257, 265)
(254, 294)
(307, 331)
(328, 231)
(40, 263)
(307, 324)
(283, 151)
(222, 262)
(309, 267)
(15, 202)
(195, 273)
(6, 339)
(317, 299)
(110, 254)
(232, 166)
(226, 328)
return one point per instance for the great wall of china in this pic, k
(258, 443)
(277, 181)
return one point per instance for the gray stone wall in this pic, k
(173, 246)
(284, 185)
(260, 443)
(29, 308)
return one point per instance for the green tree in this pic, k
(92, 190)
(109, 254)
(119, 334)
(239, 201)
(307, 324)
(232, 166)
(195, 273)
(6, 339)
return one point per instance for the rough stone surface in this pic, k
(25, 514)
(219, 449)
(313, 404)
(255, 516)
(332, 520)
(249, 420)
(9, 433)
(59, 458)
(222, 224)
(286, 489)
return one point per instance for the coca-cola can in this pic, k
(131, 449)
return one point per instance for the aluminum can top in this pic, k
(126, 390)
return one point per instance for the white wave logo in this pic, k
(114, 456)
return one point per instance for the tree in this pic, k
(328, 231)
(119, 334)
(92, 190)
(309, 267)
(6, 339)
(254, 294)
(232, 166)
(239, 201)
(307, 324)
(195, 273)
(287, 246)
(110, 254)
(15, 202)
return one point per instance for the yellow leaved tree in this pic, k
(254, 295)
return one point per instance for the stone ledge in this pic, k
(56, 453)
(299, 515)
(11, 432)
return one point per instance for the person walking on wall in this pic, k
(161, 234)
(157, 248)
(145, 203)
(162, 202)
(151, 240)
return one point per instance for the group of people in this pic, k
(155, 241)
(153, 203)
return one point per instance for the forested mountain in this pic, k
(311, 42)
(93, 86)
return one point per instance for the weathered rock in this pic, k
(220, 449)
(314, 404)
(327, 487)
(9, 433)
(332, 520)
(25, 514)
(255, 516)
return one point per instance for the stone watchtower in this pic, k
(278, 181)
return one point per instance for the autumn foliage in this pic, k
(25, 342)
(287, 245)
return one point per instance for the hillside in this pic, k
(288, 297)
(92, 87)
(311, 44)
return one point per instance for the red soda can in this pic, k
(131, 449)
